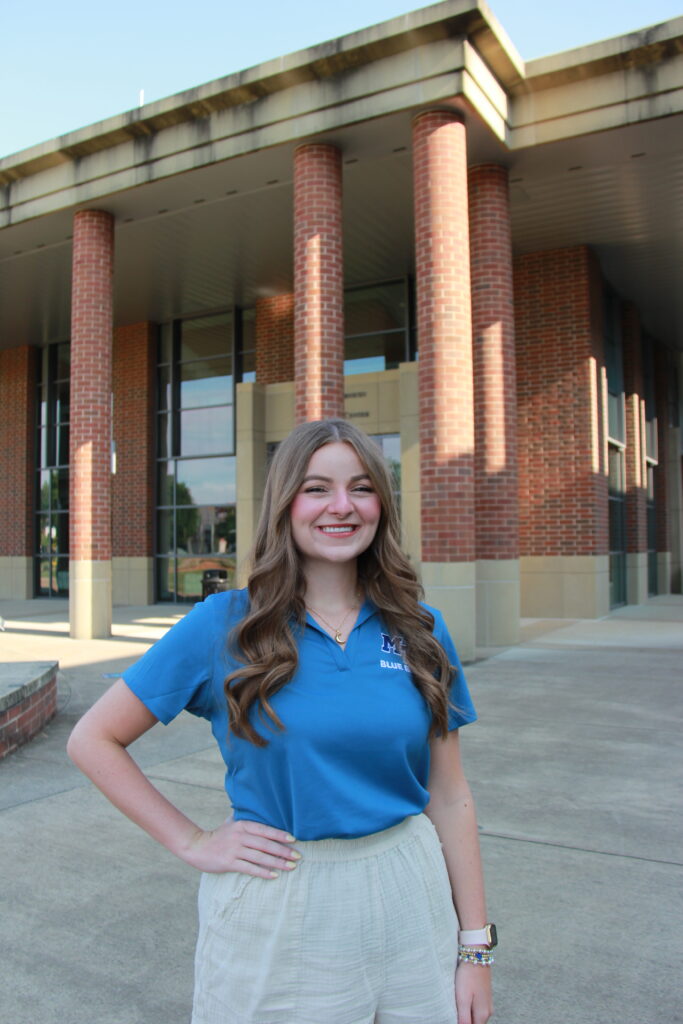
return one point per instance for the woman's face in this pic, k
(336, 512)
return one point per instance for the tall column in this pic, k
(318, 283)
(90, 425)
(495, 406)
(636, 482)
(132, 488)
(17, 467)
(444, 324)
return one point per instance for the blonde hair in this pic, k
(264, 640)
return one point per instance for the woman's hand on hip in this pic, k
(245, 846)
(473, 998)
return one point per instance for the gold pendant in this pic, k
(338, 637)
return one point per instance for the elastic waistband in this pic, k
(365, 846)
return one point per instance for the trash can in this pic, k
(214, 581)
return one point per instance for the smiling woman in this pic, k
(336, 702)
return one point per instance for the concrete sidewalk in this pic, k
(575, 765)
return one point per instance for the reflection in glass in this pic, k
(206, 530)
(206, 336)
(61, 399)
(62, 445)
(53, 533)
(165, 544)
(378, 308)
(374, 352)
(204, 431)
(206, 481)
(190, 571)
(54, 489)
(165, 578)
(206, 382)
(60, 576)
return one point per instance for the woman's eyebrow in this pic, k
(328, 479)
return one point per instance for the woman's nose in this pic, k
(339, 503)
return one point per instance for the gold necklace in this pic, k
(336, 629)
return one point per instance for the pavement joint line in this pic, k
(184, 782)
(578, 849)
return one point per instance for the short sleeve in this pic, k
(461, 710)
(176, 673)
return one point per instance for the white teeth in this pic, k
(337, 529)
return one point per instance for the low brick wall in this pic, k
(28, 700)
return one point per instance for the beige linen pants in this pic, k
(363, 931)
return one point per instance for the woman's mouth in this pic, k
(338, 529)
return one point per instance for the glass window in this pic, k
(196, 488)
(617, 525)
(377, 325)
(51, 575)
(206, 431)
(206, 336)
(391, 449)
(205, 382)
(614, 364)
(205, 481)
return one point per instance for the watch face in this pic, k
(493, 935)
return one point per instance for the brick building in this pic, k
(179, 285)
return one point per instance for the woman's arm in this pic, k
(451, 810)
(97, 746)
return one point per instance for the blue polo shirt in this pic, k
(354, 756)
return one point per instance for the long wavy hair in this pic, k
(265, 639)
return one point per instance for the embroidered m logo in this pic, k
(392, 644)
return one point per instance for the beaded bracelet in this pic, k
(475, 955)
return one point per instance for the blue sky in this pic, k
(66, 65)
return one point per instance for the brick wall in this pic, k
(318, 283)
(560, 383)
(274, 330)
(493, 342)
(133, 381)
(18, 368)
(90, 426)
(444, 326)
(24, 712)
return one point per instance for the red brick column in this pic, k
(636, 483)
(274, 331)
(495, 392)
(133, 380)
(444, 328)
(444, 325)
(563, 496)
(90, 425)
(17, 469)
(318, 283)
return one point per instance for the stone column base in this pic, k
(132, 581)
(636, 577)
(663, 572)
(564, 586)
(16, 577)
(89, 599)
(250, 450)
(450, 587)
(497, 602)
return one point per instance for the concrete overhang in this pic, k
(200, 183)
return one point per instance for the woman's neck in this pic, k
(332, 588)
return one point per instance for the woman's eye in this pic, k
(314, 490)
(364, 489)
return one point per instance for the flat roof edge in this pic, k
(470, 18)
(660, 39)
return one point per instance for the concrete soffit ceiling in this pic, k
(201, 183)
